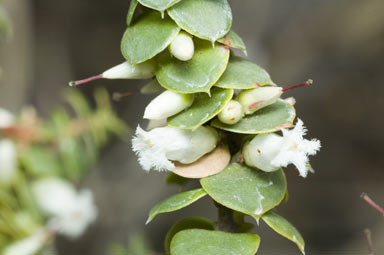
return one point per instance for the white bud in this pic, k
(6, 118)
(157, 148)
(261, 150)
(8, 160)
(167, 104)
(255, 99)
(232, 113)
(182, 47)
(125, 70)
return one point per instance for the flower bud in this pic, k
(182, 47)
(232, 113)
(261, 150)
(125, 70)
(6, 118)
(255, 99)
(8, 160)
(167, 104)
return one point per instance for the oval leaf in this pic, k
(196, 75)
(233, 40)
(131, 11)
(176, 202)
(284, 228)
(250, 191)
(243, 74)
(203, 109)
(207, 165)
(159, 5)
(208, 20)
(199, 241)
(147, 37)
(187, 223)
(269, 119)
(152, 87)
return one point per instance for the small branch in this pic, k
(372, 203)
(225, 222)
(368, 236)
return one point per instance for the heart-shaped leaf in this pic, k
(131, 11)
(203, 109)
(250, 191)
(284, 228)
(159, 5)
(233, 40)
(199, 242)
(187, 223)
(176, 202)
(196, 75)
(210, 164)
(147, 37)
(269, 119)
(208, 20)
(243, 74)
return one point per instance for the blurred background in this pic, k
(337, 43)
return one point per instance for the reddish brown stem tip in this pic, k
(79, 82)
(372, 203)
(304, 84)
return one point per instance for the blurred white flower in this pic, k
(6, 118)
(28, 246)
(167, 104)
(269, 152)
(157, 148)
(71, 212)
(8, 160)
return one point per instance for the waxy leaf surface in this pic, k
(203, 109)
(206, 242)
(196, 75)
(250, 191)
(176, 202)
(159, 5)
(187, 223)
(206, 19)
(147, 37)
(269, 119)
(243, 74)
(284, 228)
(233, 40)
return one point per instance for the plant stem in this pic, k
(226, 221)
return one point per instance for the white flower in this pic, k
(28, 246)
(182, 47)
(71, 212)
(159, 147)
(6, 118)
(269, 152)
(8, 160)
(167, 104)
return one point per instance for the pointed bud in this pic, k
(255, 99)
(124, 70)
(167, 104)
(232, 113)
(261, 150)
(182, 47)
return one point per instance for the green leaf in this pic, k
(209, 20)
(187, 223)
(131, 11)
(199, 242)
(250, 191)
(152, 87)
(243, 74)
(196, 75)
(40, 161)
(284, 228)
(159, 5)
(233, 40)
(269, 119)
(203, 109)
(147, 37)
(176, 202)
(176, 179)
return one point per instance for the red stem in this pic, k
(93, 78)
(304, 84)
(372, 203)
